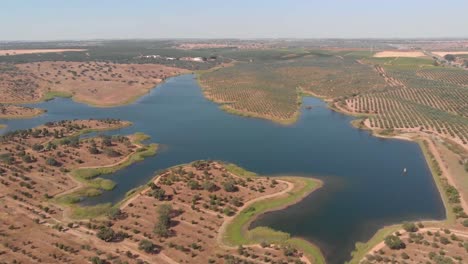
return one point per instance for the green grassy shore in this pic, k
(93, 185)
(237, 232)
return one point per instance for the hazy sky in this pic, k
(90, 19)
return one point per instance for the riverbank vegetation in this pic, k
(442, 242)
(202, 200)
(238, 233)
(176, 217)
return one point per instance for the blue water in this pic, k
(364, 185)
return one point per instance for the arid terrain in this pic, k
(418, 243)
(398, 54)
(8, 111)
(178, 218)
(35, 51)
(96, 83)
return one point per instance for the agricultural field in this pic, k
(35, 51)
(273, 89)
(119, 52)
(96, 83)
(430, 99)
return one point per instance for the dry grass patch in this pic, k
(403, 54)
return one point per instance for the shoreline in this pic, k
(89, 183)
(357, 123)
(224, 106)
(50, 95)
(298, 189)
(363, 248)
(235, 231)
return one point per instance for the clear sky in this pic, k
(103, 19)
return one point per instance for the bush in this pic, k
(449, 57)
(106, 234)
(164, 221)
(159, 194)
(111, 153)
(230, 186)
(147, 246)
(394, 242)
(465, 223)
(52, 162)
(209, 186)
(193, 185)
(409, 227)
(404, 255)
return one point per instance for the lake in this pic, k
(364, 184)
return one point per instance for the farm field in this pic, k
(396, 94)
(429, 100)
(397, 54)
(35, 51)
(273, 89)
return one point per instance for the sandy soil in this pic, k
(190, 46)
(34, 228)
(418, 252)
(15, 111)
(443, 53)
(33, 51)
(406, 54)
(202, 220)
(96, 83)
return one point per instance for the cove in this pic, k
(364, 186)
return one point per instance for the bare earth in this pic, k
(16, 111)
(33, 51)
(31, 233)
(445, 244)
(407, 54)
(443, 53)
(97, 83)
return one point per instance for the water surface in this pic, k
(364, 185)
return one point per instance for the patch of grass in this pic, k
(362, 249)
(91, 173)
(239, 171)
(77, 196)
(94, 185)
(268, 235)
(103, 184)
(52, 94)
(237, 232)
(87, 212)
(311, 251)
